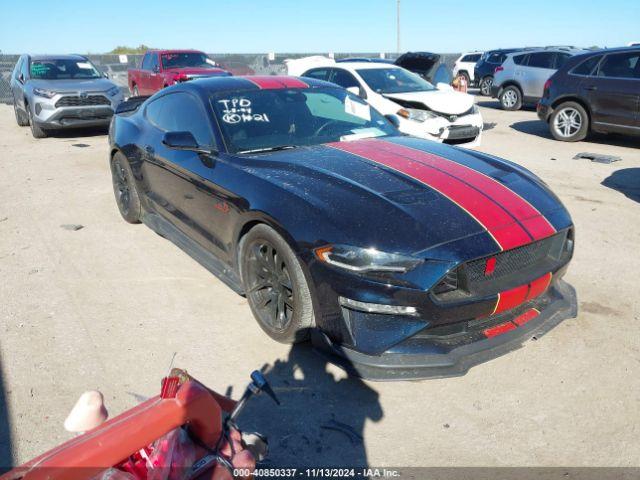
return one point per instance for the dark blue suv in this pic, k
(486, 66)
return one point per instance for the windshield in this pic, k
(273, 119)
(394, 80)
(62, 69)
(185, 59)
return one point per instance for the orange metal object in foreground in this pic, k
(117, 439)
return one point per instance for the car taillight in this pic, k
(498, 69)
(545, 89)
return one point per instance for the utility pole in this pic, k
(398, 27)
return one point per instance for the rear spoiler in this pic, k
(131, 104)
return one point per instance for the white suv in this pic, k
(465, 66)
(521, 77)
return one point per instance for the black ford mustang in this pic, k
(402, 258)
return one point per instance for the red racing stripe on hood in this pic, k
(270, 82)
(521, 210)
(499, 224)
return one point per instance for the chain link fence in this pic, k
(116, 66)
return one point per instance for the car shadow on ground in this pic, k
(78, 132)
(321, 419)
(626, 181)
(541, 129)
(6, 457)
(495, 104)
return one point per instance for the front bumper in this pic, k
(48, 115)
(434, 358)
(465, 130)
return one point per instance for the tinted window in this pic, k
(520, 59)
(496, 58)
(587, 66)
(471, 58)
(153, 62)
(620, 65)
(344, 78)
(18, 67)
(180, 112)
(146, 62)
(318, 73)
(185, 59)
(541, 60)
(24, 69)
(561, 59)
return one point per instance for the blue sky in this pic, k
(256, 26)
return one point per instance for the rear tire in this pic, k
(22, 119)
(275, 286)
(124, 189)
(36, 130)
(569, 122)
(485, 86)
(511, 98)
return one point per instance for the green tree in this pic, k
(123, 49)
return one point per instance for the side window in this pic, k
(587, 66)
(18, 68)
(471, 58)
(180, 112)
(318, 73)
(146, 62)
(561, 59)
(343, 78)
(520, 59)
(496, 58)
(541, 60)
(620, 65)
(25, 68)
(153, 62)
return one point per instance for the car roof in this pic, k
(572, 51)
(363, 65)
(175, 50)
(57, 57)
(207, 86)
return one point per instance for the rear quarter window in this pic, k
(587, 66)
(520, 59)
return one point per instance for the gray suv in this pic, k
(61, 91)
(521, 77)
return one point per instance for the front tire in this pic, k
(124, 188)
(275, 286)
(485, 86)
(511, 98)
(569, 122)
(22, 119)
(36, 130)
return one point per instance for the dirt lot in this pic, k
(107, 305)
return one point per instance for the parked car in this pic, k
(53, 92)
(521, 77)
(402, 258)
(598, 91)
(486, 66)
(162, 68)
(422, 110)
(465, 65)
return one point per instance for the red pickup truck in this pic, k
(162, 68)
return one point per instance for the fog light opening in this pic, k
(377, 307)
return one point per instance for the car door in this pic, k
(538, 70)
(178, 181)
(614, 92)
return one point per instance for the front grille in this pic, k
(78, 101)
(512, 268)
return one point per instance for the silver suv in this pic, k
(521, 77)
(61, 91)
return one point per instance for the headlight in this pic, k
(358, 259)
(415, 114)
(43, 92)
(112, 92)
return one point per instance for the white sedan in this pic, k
(433, 112)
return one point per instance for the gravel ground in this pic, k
(106, 305)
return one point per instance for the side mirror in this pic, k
(185, 141)
(393, 119)
(359, 91)
(105, 74)
(156, 69)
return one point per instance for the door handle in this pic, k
(149, 149)
(591, 88)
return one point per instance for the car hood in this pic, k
(449, 102)
(196, 71)
(74, 86)
(360, 200)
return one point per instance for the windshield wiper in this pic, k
(269, 149)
